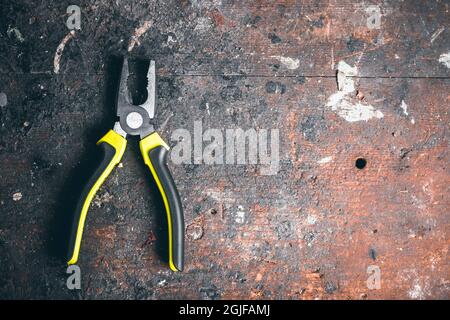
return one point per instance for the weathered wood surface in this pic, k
(310, 231)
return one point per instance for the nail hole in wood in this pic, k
(360, 163)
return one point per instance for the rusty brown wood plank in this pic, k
(309, 232)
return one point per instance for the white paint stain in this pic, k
(344, 74)
(420, 284)
(3, 99)
(221, 196)
(16, 33)
(332, 55)
(203, 25)
(171, 39)
(99, 200)
(240, 215)
(428, 189)
(138, 32)
(434, 261)
(288, 62)
(342, 102)
(404, 107)
(17, 196)
(200, 4)
(195, 231)
(351, 112)
(59, 51)
(325, 160)
(416, 292)
(445, 59)
(436, 34)
(162, 283)
(419, 203)
(311, 220)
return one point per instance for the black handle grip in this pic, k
(158, 159)
(154, 152)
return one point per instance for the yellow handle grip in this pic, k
(113, 146)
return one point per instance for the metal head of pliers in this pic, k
(135, 119)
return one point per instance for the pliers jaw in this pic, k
(135, 119)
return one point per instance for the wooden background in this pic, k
(309, 232)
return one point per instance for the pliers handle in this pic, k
(154, 152)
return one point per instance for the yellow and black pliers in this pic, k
(135, 120)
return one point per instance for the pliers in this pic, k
(135, 120)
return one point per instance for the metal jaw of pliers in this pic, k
(135, 120)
